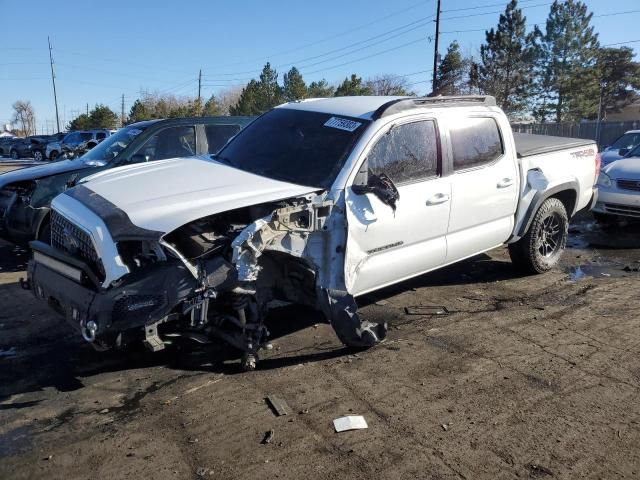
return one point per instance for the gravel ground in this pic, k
(530, 377)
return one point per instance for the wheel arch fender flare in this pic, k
(567, 192)
(41, 220)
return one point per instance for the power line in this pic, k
(494, 12)
(620, 43)
(421, 21)
(368, 56)
(333, 36)
(483, 6)
(540, 23)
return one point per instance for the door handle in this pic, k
(504, 183)
(437, 199)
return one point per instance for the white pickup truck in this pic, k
(315, 202)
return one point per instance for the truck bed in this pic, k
(528, 144)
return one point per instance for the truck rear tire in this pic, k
(541, 247)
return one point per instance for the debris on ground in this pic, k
(628, 268)
(268, 437)
(382, 303)
(426, 310)
(350, 422)
(204, 471)
(539, 471)
(304, 412)
(278, 405)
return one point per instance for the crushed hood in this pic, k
(41, 171)
(164, 195)
(628, 168)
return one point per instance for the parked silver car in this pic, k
(619, 191)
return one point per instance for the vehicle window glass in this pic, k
(170, 143)
(101, 136)
(218, 135)
(72, 137)
(111, 147)
(406, 152)
(475, 141)
(628, 140)
(84, 136)
(307, 148)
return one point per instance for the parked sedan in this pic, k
(26, 194)
(621, 147)
(618, 191)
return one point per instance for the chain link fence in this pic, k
(608, 133)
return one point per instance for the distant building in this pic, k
(628, 113)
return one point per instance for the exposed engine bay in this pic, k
(216, 276)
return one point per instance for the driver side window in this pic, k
(170, 143)
(406, 153)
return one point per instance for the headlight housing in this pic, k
(604, 180)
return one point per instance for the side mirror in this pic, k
(623, 152)
(382, 187)
(138, 158)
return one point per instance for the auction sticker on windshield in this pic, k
(342, 124)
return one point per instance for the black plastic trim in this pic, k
(401, 104)
(539, 198)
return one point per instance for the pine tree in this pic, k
(352, 86)
(566, 64)
(270, 92)
(248, 102)
(294, 87)
(507, 60)
(320, 89)
(450, 77)
(619, 78)
(212, 107)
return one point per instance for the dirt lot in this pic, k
(530, 377)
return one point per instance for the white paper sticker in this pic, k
(350, 422)
(342, 124)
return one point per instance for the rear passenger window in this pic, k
(217, 135)
(407, 152)
(475, 141)
(101, 136)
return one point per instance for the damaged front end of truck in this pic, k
(211, 277)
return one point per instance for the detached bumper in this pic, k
(143, 297)
(614, 201)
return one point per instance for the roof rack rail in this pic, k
(401, 104)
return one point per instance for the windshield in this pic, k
(109, 148)
(628, 140)
(634, 152)
(307, 148)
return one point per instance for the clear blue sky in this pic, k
(103, 49)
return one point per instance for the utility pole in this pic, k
(87, 109)
(435, 51)
(199, 90)
(53, 80)
(122, 112)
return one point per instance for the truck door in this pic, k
(385, 245)
(484, 187)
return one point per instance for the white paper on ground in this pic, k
(350, 422)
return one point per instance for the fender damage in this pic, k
(215, 276)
